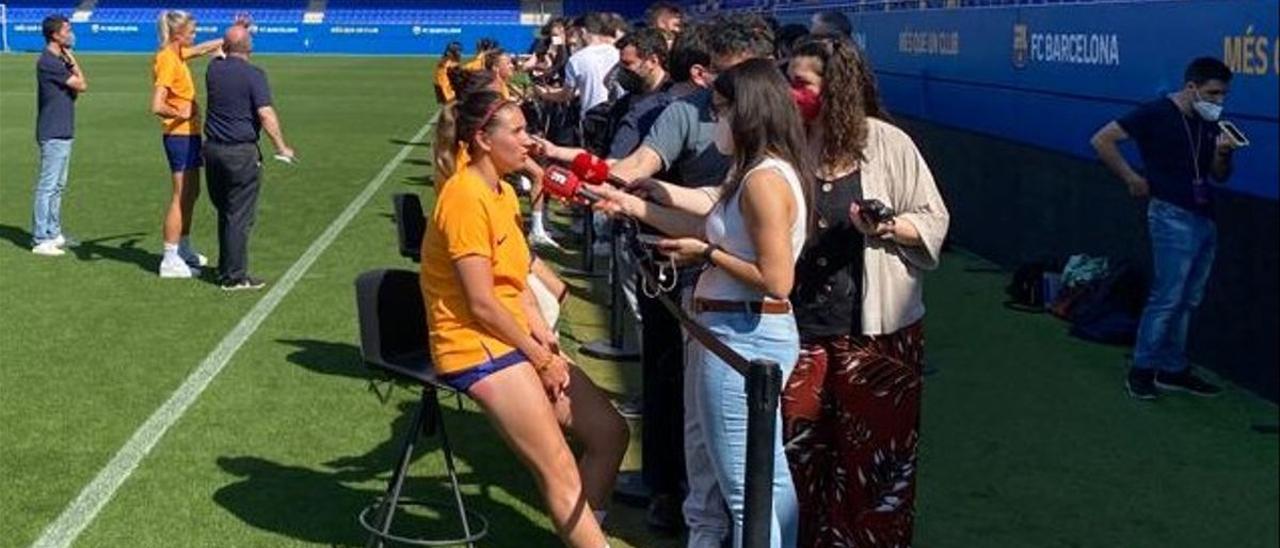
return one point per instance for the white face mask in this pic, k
(724, 137)
(1207, 110)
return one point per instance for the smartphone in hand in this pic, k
(874, 211)
(1232, 132)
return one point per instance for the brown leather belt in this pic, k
(753, 307)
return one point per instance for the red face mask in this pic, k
(808, 101)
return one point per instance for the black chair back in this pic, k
(411, 224)
(393, 326)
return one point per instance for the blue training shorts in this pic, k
(183, 152)
(462, 380)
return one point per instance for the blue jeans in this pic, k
(716, 430)
(1183, 245)
(46, 211)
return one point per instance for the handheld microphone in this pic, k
(594, 170)
(566, 185)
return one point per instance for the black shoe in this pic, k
(664, 515)
(1141, 384)
(242, 284)
(1186, 381)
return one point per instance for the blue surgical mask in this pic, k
(1208, 110)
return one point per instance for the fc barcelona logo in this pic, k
(1021, 46)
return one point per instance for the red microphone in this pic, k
(566, 185)
(594, 170)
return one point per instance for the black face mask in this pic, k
(630, 81)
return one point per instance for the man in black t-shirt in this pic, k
(59, 81)
(1182, 150)
(239, 106)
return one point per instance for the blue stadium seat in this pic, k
(146, 11)
(28, 11)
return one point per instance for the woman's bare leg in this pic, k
(517, 405)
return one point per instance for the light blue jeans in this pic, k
(1183, 245)
(46, 211)
(716, 430)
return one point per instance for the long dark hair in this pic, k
(849, 96)
(765, 122)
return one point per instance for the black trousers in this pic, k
(662, 361)
(233, 171)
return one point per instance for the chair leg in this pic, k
(392, 497)
(453, 475)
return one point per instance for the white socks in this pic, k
(537, 227)
(170, 250)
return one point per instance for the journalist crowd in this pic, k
(760, 162)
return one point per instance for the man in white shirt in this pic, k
(585, 74)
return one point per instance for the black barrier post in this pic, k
(588, 254)
(589, 240)
(614, 347)
(764, 385)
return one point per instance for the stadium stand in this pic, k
(380, 12)
(146, 11)
(411, 12)
(628, 9)
(28, 10)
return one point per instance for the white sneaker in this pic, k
(48, 248)
(170, 268)
(65, 242)
(192, 258)
(542, 239)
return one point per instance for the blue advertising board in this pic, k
(1051, 75)
(289, 38)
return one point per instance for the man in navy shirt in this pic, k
(59, 81)
(1182, 150)
(239, 106)
(642, 57)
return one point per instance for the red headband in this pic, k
(493, 109)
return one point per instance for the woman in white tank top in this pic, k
(749, 233)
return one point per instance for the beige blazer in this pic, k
(892, 274)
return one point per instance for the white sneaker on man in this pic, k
(542, 239)
(48, 248)
(173, 266)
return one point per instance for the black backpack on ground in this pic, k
(1026, 289)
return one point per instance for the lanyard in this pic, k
(1195, 147)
